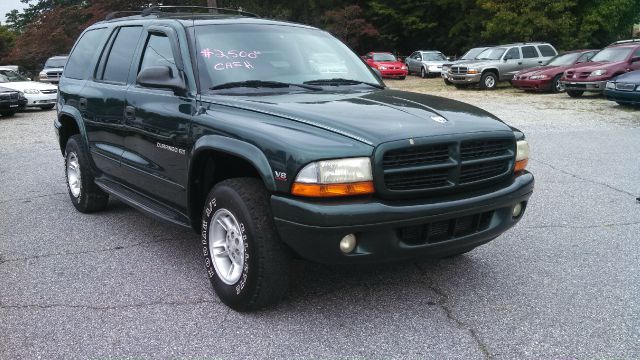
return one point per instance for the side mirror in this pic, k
(507, 58)
(160, 77)
(634, 59)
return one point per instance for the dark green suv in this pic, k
(274, 140)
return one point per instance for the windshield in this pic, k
(564, 60)
(433, 57)
(491, 54)
(55, 63)
(11, 76)
(248, 52)
(612, 54)
(472, 54)
(384, 57)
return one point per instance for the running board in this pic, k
(143, 203)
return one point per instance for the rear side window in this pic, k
(158, 53)
(546, 50)
(119, 61)
(513, 53)
(79, 61)
(529, 52)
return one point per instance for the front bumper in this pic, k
(391, 230)
(464, 78)
(12, 105)
(394, 73)
(594, 86)
(626, 97)
(38, 100)
(533, 85)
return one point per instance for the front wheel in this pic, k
(575, 93)
(246, 261)
(556, 84)
(85, 195)
(423, 73)
(402, 77)
(8, 113)
(488, 81)
(447, 82)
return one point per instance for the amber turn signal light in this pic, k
(521, 165)
(333, 190)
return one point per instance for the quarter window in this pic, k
(529, 52)
(79, 60)
(547, 50)
(121, 54)
(513, 53)
(158, 52)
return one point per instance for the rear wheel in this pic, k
(85, 195)
(556, 84)
(246, 262)
(575, 93)
(488, 81)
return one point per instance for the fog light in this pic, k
(517, 210)
(348, 243)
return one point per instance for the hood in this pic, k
(481, 63)
(23, 85)
(546, 70)
(372, 117)
(631, 77)
(593, 66)
(5, 89)
(460, 62)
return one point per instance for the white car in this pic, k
(38, 94)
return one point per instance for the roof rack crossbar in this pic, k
(113, 15)
(159, 9)
(624, 41)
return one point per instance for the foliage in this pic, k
(7, 40)
(349, 25)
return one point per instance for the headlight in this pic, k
(42, 76)
(20, 94)
(383, 68)
(638, 88)
(472, 71)
(538, 77)
(340, 177)
(598, 72)
(522, 155)
(445, 68)
(404, 67)
(32, 91)
(611, 85)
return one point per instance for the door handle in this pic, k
(540, 62)
(130, 113)
(82, 104)
(520, 63)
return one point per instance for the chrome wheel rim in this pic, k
(559, 86)
(226, 246)
(423, 73)
(73, 174)
(489, 82)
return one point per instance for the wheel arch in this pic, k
(69, 123)
(236, 158)
(493, 70)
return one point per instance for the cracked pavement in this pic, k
(563, 284)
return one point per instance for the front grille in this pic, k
(446, 166)
(54, 73)
(443, 230)
(625, 87)
(458, 69)
(53, 91)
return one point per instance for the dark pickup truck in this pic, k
(231, 125)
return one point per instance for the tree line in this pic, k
(50, 27)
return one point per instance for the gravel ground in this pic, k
(563, 284)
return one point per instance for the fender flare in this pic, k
(73, 113)
(249, 152)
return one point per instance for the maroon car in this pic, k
(616, 59)
(547, 77)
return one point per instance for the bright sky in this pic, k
(8, 5)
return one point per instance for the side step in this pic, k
(143, 203)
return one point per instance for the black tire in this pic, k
(623, 104)
(47, 107)
(556, 84)
(90, 197)
(402, 77)
(461, 86)
(488, 81)
(8, 113)
(575, 93)
(265, 269)
(423, 73)
(447, 82)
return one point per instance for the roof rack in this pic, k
(159, 9)
(624, 42)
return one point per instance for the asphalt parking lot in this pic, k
(563, 284)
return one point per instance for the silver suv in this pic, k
(53, 69)
(500, 63)
(426, 63)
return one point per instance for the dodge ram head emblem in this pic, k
(439, 119)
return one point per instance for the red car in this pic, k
(616, 59)
(547, 77)
(387, 64)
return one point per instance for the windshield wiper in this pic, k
(340, 81)
(262, 84)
